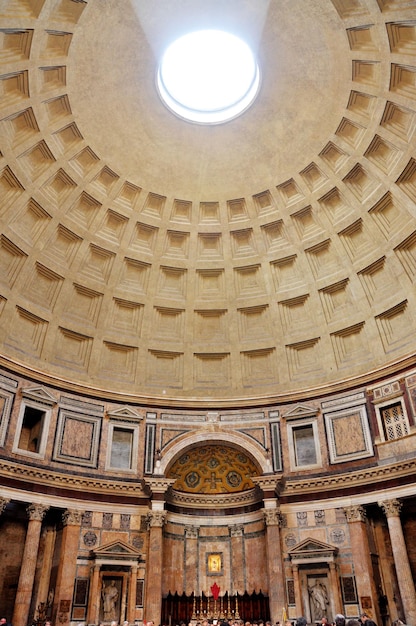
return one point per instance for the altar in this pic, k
(197, 607)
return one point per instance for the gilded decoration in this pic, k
(213, 469)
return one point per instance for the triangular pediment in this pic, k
(125, 413)
(116, 550)
(312, 550)
(299, 411)
(40, 395)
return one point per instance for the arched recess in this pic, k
(237, 440)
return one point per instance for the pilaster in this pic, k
(277, 599)
(237, 558)
(191, 559)
(361, 554)
(67, 566)
(153, 608)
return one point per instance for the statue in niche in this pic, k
(110, 597)
(320, 601)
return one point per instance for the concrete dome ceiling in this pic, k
(157, 260)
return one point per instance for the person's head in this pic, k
(364, 617)
(301, 621)
(324, 621)
(339, 620)
(3, 620)
(353, 622)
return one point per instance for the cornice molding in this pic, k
(87, 484)
(345, 480)
(207, 501)
(310, 485)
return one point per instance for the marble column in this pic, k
(36, 514)
(93, 616)
(391, 510)
(153, 602)
(277, 597)
(67, 568)
(191, 560)
(131, 609)
(361, 556)
(48, 537)
(298, 590)
(237, 559)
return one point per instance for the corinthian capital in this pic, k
(236, 530)
(71, 517)
(391, 508)
(3, 503)
(36, 511)
(272, 517)
(191, 532)
(156, 519)
(355, 513)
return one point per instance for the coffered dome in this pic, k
(149, 258)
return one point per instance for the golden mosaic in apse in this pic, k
(213, 469)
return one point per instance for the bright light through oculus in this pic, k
(208, 76)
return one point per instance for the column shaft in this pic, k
(27, 571)
(45, 573)
(401, 560)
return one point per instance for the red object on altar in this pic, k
(215, 591)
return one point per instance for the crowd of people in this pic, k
(340, 620)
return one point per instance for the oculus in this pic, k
(208, 76)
